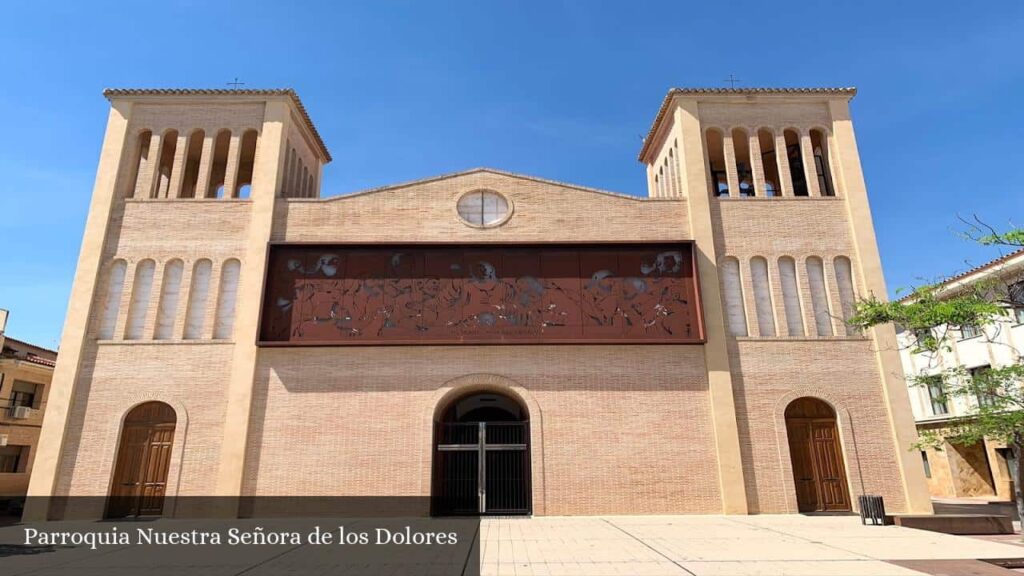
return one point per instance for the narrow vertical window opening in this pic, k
(762, 296)
(112, 305)
(733, 288)
(198, 293)
(819, 295)
(847, 296)
(716, 163)
(769, 161)
(170, 292)
(819, 144)
(744, 173)
(796, 162)
(139, 305)
(225, 320)
(193, 156)
(218, 170)
(791, 296)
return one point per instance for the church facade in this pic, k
(491, 342)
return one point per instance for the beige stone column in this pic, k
(231, 169)
(205, 167)
(151, 172)
(756, 166)
(266, 174)
(716, 357)
(178, 168)
(731, 174)
(46, 466)
(868, 265)
(782, 159)
(810, 170)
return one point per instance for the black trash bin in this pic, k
(872, 510)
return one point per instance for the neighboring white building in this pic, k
(980, 469)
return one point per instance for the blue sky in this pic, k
(561, 90)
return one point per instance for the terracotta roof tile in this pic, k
(980, 268)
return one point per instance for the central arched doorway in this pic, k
(482, 457)
(143, 459)
(818, 468)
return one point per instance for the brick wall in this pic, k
(358, 420)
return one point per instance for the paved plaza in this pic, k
(770, 545)
(773, 545)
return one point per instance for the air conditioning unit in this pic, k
(3, 439)
(21, 412)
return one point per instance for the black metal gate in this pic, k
(482, 468)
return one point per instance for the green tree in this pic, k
(934, 315)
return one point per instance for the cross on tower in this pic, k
(234, 85)
(732, 80)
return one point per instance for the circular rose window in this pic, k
(483, 208)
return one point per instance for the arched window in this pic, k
(219, 168)
(225, 322)
(166, 164)
(246, 163)
(141, 161)
(193, 157)
(198, 294)
(112, 305)
(139, 305)
(293, 167)
(847, 298)
(796, 162)
(791, 296)
(744, 172)
(819, 296)
(302, 182)
(819, 144)
(736, 317)
(170, 292)
(672, 179)
(762, 296)
(716, 163)
(769, 161)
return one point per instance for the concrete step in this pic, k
(960, 524)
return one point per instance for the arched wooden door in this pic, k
(143, 459)
(818, 468)
(482, 457)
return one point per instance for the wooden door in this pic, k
(828, 464)
(819, 473)
(803, 466)
(143, 460)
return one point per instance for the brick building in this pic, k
(25, 373)
(499, 342)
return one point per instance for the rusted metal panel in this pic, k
(453, 294)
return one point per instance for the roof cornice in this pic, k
(111, 93)
(847, 93)
(1001, 265)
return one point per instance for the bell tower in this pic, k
(173, 253)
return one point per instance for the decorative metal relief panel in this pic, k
(356, 294)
